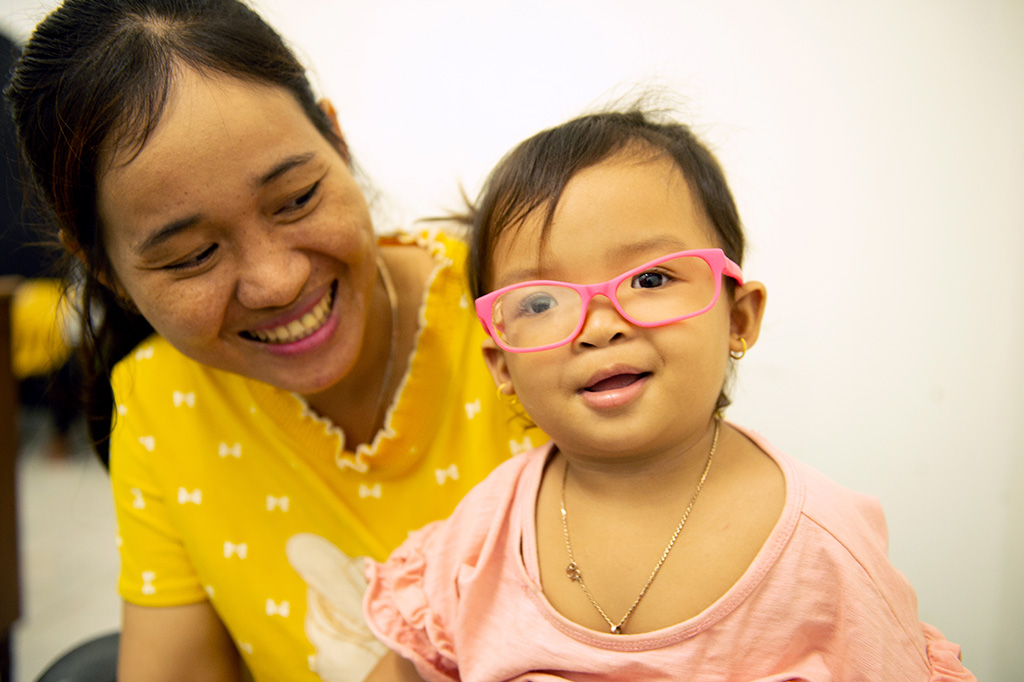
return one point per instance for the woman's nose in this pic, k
(602, 325)
(271, 275)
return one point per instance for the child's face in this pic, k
(618, 389)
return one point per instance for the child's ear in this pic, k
(496, 364)
(747, 311)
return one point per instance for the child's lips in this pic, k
(614, 388)
(613, 378)
(615, 382)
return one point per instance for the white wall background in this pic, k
(876, 149)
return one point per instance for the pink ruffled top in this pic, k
(461, 598)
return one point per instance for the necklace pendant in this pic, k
(617, 629)
(572, 572)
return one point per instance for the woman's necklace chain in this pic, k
(389, 366)
(572, 571)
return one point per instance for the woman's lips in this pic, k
(296, 330)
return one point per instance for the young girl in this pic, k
(650, 539)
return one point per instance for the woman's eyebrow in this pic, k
(283, 167)
(166, 232)
(171, 229)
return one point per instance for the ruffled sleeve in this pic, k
(401, 615)
(944, 658)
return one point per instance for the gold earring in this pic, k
(736, 356)
(502, 395)
(512, 400)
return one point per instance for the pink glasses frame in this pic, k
(716, 259)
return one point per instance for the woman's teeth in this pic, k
(296, 330)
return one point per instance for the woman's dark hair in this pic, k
(98, 72)
(534, 174)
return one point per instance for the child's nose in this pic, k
(271, 275)
(603, 324)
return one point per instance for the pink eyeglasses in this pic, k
(543, 314)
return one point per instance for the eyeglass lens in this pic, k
(533, 315)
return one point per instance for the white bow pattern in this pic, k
(138, 502)
(195, 497)
(144, 353)
(281, 609)
(277, 502)
(226, 450)
(147, 582)
(184, 398)
(443, 475)
(148, 442)
(515, 447)
(473, 409)
(240, 550)
(366, 491)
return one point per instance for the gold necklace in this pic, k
(572, 571)
(389, 366)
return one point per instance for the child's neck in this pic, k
(621, 515)
(638, 476)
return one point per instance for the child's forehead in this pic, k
(617, 214)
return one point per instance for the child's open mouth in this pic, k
(616, 382)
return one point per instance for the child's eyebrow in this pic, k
(521, 275)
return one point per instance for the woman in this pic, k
(311, 392)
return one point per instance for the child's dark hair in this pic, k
(533, 175)
(98, 72)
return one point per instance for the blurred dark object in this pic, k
(91, 661)
(10, 585)
(22, 248)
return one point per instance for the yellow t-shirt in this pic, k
(231, 490)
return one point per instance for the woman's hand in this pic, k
(176, 643)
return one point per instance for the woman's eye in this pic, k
(649, 280)
(194, 261)
(300, 201)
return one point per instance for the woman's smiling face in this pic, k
(617, 389)
(240, 234)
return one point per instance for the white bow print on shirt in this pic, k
(443, 475)
(195, 497)
(366, 491)
(148, 442)
(277, 502)
(281, 609)
(147, 582)
(472, 409)
(240, 550)
(184, 398)
(138, 502)
(516, 447)
(225, 450)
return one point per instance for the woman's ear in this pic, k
(747, 312)
(332, 116)
(72, 246)
(494, 357)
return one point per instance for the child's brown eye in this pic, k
(649, 280)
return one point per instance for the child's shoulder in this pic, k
(853, 520)
(491, 509)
